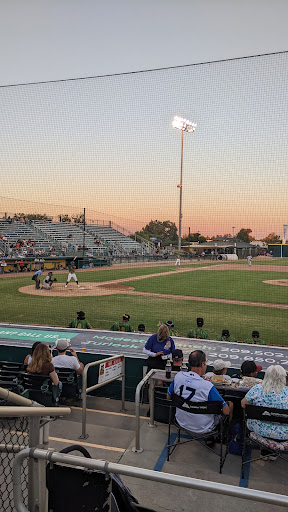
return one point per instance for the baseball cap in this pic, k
(177, 354)
(169, 323)
(255, 334)
(141, 327)
(248, 367)
(81, 314)
(200, 321)
(219, 364)
(126, 317)
(62, 344)
(225, 333)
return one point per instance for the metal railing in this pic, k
(21, 426)
(151, 376)
(86, 390)
(146, 474)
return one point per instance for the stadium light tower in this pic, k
(185, 126)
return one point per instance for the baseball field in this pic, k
(227, 295)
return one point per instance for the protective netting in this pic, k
(13, 434)
(107, 143)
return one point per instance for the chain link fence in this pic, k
(14, 436)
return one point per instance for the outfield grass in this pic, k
(268, 261)
(221, 284)
(103, 311)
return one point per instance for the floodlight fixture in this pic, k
(184, 125)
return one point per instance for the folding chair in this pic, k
(213, 407)
(270, 415)
(161, 405)
(41, 389)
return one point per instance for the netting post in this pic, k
(34, 475)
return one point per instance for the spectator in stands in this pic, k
(159, 348)
(36, 263)
(220, 370)
(28, 358)
(124, 326)
(255, 339)
(141, 329)
(204, 390)
(171, 328)
(177, 360)
(249, 371)
(80, 322)
(198, 332)
(226, 336)
(42, 363)
(272, 392)
(62, 360)
(3, 264)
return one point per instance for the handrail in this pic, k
(137, 448)
(146, 474)
(13, 397)
(149, 376)
(85, 390)
(16, 412)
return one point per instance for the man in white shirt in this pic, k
(219, 369)
(191, 386)
(62, 360)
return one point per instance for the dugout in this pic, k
(278, 250)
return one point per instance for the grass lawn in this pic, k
(267, 261)
(224, 284)
(103, 311)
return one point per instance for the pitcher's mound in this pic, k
(85, 290)
(278, 282)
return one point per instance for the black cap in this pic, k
(169, 323)
(200, 321)
(141, 327)
(248, 367)
(255, 334)
(225, 333)
(177, 354)
(126, 317)
(81, 314)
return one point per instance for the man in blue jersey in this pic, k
(191, 386)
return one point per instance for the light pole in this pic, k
(233, 227)
(185, 126)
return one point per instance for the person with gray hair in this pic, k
(272, 392)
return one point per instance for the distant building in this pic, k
(222, 246)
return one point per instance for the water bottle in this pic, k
(168, 369)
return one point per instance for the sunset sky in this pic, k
(107, 143)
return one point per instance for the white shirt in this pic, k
(190, 384)
(65, 361)
(209, 376)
